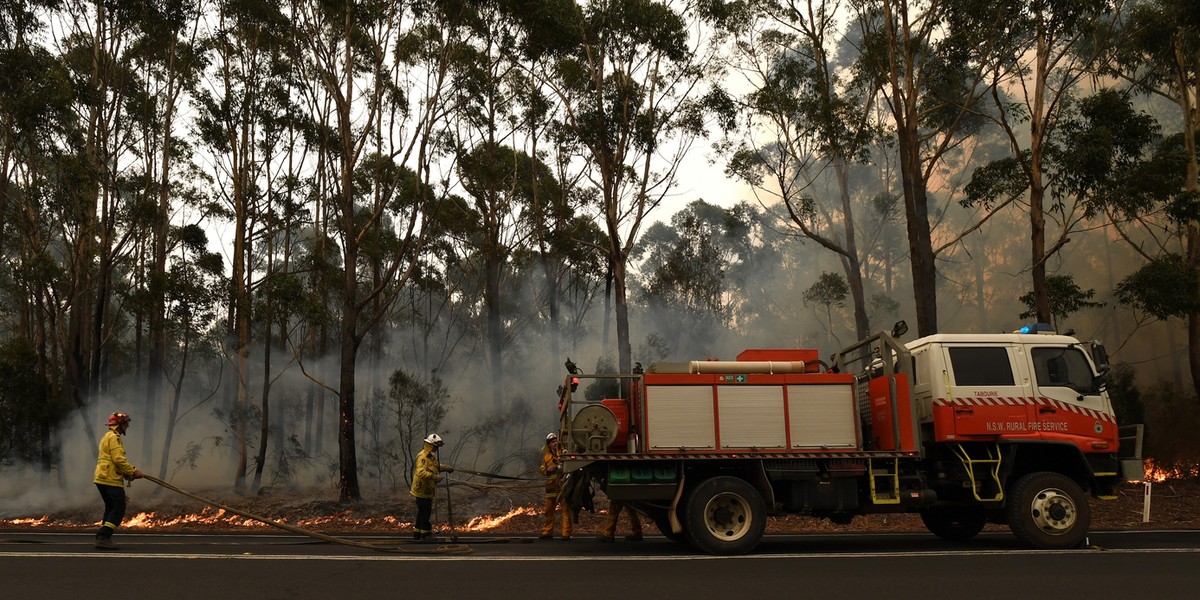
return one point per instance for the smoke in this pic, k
(980, 282)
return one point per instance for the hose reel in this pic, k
(594, 428)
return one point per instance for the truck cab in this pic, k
(1018, 386)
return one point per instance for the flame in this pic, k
(30, 522)
(149, 520)
(485, 523)
(208, 516)
(1158, 473)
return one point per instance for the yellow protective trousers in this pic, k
(552, 506)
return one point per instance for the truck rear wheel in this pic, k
(725, 515)
(957, 524)
(1049, 511)
(664, 527)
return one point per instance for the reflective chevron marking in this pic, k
(1024, 401)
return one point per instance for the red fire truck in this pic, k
(964, 429)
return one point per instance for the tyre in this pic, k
(724, 515)
(1048, 511)
(954, 524)
(664, 527)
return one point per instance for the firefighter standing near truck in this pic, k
(426, 475)
(610, 524)
(554, 498)
(112, 470)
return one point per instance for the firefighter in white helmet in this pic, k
(426, 475)
(554, 499)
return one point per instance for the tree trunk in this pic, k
(1037, 188)
(240, 328)
(904, 89)
(156, 369)
(624, 348)
(173, 407)
(265, 402)
(495, 328)
(348, 489)
(981, 311)
(916, 210)
(850, 260)
(1187, 99)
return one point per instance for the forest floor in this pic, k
(1174, 504)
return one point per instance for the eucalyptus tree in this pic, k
(36, 122)
(929, 61)
(20, 23)
(829, 291)
(565, 245)
(1162, 58)
(1066, 298)
(104, 213)
(1142, 173)
(37, 125)
(498, 179)
(688, 283)
(807, 116)
(382, 62)
(280, 300)
(193, 288)
(249, 47)
(630, 76)
(170, 59)
(1054, 46)
(28, 413)
(563, 238)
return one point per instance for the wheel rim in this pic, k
(727, 517)
(1053, 511)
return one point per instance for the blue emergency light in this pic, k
(1036, 328)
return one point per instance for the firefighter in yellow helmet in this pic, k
(112, 470)
(554, 500)
(426, 475)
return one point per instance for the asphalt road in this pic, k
(1159, 564)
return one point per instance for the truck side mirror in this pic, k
(1100, 357)
(899, 329)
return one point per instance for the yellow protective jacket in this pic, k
(553, 478)
(426, 473)
(111, 464)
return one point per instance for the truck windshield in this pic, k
(1063, 367)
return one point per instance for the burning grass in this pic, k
(1175, 503)
(1160, 473)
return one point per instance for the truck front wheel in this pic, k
(724, 515)
(954, 524)
(1048, 510)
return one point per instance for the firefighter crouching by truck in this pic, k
(426, 475)
(554, 497)
(112, 470)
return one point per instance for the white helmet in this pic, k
(434, 439)
(550, 437)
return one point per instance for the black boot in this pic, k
(104, 539)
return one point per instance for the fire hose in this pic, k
(450, 509)
(443, 549)
(491, 475)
